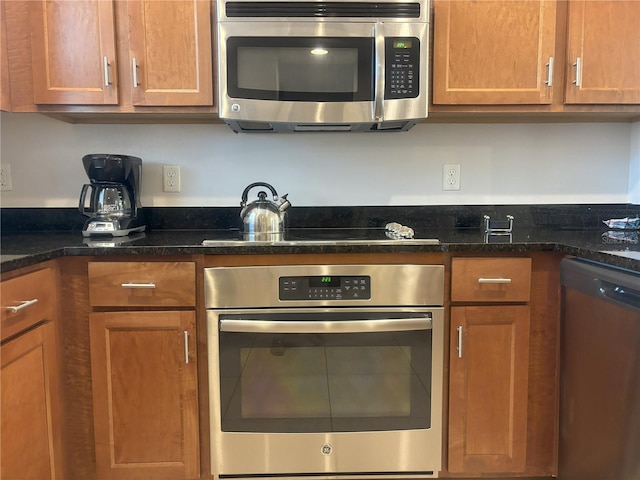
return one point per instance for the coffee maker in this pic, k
(114, 195)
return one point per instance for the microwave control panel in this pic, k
(328, 287)
(402, 60)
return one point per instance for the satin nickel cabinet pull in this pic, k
(549, 65)
(186, 346)
(105, 67)
(494, 280)
(138, 285)
(22, 306)
(134, 72)
(459, 347)
(578, 78)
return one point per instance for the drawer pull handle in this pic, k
(186, 347)
(459, 348)
(494, 280)
(138, 285)
(23, 305)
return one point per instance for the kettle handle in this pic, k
(83, 194)
(245, 194)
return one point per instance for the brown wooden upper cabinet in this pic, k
(73, 50)
(603, 52)
(493, 52)
(170, 52)
(509, 52)
(164, 54)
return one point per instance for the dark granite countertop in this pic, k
(21, 249)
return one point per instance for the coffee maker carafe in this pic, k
(113, 195)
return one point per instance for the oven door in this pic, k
(326, 391)
(313, 72)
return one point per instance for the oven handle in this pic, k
(349, 326)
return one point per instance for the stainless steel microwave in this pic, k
(304, 66)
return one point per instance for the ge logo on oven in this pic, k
(326, 449)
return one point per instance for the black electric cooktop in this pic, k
(326, 236)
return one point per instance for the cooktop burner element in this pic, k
(328, 236)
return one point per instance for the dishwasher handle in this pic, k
(621, 294)
(608, 283)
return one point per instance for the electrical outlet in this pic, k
(171, 178)
(451, 176)
(5, 178)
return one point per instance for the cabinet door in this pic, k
(29, 407)
(145, 395)
(603, 52)
(170, 52)
(5, 92)
(488, 388)
(74, 52)
(493, 52)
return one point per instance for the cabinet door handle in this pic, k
(494, 280)
(134, 72)
(578, 78)
(138, 285)
(22, 306)
(186, 346)
(549, 81)
(105, 67)
(459, 348)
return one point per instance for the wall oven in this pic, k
(330, 371)
(322, 66)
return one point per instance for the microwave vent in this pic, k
(324, 9)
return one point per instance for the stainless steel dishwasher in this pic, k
(599, 373)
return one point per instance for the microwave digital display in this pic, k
(402, 44)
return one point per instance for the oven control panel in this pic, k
(328, 287)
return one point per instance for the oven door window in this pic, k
(324, 382)
(310, 69)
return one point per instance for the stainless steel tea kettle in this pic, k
(263, 219)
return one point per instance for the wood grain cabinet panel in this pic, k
(603, 52)
(73, 48)
(30, 441)
(488, 389)
(493, 52)
(142, 284)
(489, 364)
(164, 55)
(170, 52)
(145, 403)
(5, 84)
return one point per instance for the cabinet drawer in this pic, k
(142, 284)
(490, 279)
(27, 300)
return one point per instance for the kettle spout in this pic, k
(284, 203)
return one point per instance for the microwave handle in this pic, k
(378, 105)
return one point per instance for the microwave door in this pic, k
(304, 73)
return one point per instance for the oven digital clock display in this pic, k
(324, 281)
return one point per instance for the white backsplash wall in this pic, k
(500, 163)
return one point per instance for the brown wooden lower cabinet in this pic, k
(145, 402)
(29, 407)
(488, 389)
